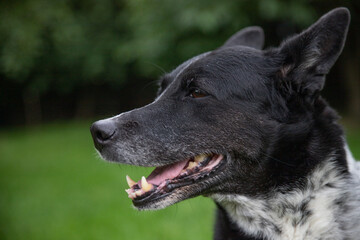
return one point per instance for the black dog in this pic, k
(249, 129)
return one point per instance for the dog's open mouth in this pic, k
(163, 180)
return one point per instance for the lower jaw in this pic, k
(166, 200)
(156, 203)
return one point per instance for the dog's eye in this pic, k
(196, 93)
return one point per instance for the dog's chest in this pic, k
(311, 213)
(311, 218)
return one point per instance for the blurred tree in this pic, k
(60, 44)
(63, 45)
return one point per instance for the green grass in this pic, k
(52, 186)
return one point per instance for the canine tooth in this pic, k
(145, 185)
(130, 182)
(200, 158)
(192, 165)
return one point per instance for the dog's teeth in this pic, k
(192, 165)
(145, 186)
(132, 195)
(200, 158)
(139, 192)
(130, 182)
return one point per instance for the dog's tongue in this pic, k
(160, 174)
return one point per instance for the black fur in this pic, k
(261, 109)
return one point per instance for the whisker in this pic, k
(149, 84)
(157, 66)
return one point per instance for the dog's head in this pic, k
(233, 120)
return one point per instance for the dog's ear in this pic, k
(308, 57)
(250, 37)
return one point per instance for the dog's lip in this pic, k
(144, 192)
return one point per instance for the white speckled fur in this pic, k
(331, 201)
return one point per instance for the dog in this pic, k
(248, 128)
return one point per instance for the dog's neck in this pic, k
(312, 211)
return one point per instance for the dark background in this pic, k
(87, 59)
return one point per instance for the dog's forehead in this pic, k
(177, 71)
(233, 65)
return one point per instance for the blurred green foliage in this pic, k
(63, 43)
(60, 42)
(55, 56)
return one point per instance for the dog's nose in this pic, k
(102, 132)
